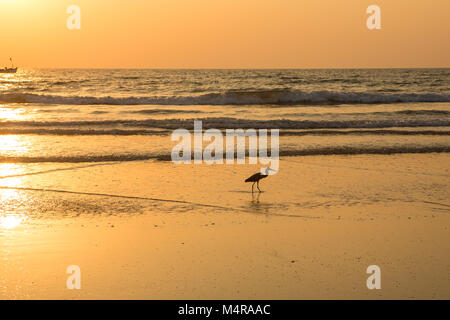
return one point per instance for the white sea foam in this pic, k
(232, 98)
(338, 150)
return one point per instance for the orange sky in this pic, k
(225, 34)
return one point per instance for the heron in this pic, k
(258, 176)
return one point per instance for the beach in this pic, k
(88, 181)
(156, 230)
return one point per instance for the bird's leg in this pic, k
(253, 186)
(257, 185)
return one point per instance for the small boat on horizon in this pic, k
(9, 70)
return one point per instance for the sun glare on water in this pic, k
(7, 114)
(10, 221)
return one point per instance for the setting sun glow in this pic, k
(224, 34)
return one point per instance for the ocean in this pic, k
(74, 116)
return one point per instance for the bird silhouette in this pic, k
(258, 176)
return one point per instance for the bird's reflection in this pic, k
(258, 206)
(255, 204)
(255, 199)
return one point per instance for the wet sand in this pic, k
(154, 230)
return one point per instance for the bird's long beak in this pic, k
(268, 170)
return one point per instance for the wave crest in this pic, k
(232, 123)
(339, 150)
(275, 97)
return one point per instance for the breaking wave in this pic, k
(274, 97)
(162, 132)
(232, 123)
(342, 150)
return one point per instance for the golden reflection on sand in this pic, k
(9, 196)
